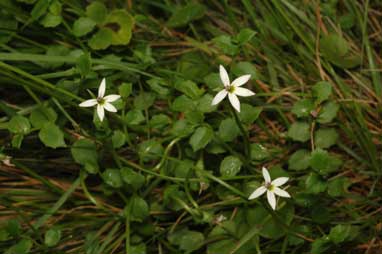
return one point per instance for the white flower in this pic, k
(272, 189)
(102, 101)
(232, 89)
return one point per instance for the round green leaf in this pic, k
(299, 131)
(228, 130)
(339, 186)
(150, 150)
(42, 115)
(258, 152)
(185, 14)
(324, 138)
(52, 136)
(230, 166)
(299, 160)
(315, 184)
(121, 23)
(112, 177)
(303, 108)
(84, 152)
(328, 112)
(19, 125)
(324, 163)
(322, 90)
(24, 246)
(102, 39)
(201, 137)
(118, 139)
(96, 11)
(132, 178)
(248, 114)
(139, 209)
(52, 237)
(83, 26)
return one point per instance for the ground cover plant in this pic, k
(214, 127)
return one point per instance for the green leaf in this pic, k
(84, 152)
(138, 249)
(42, 115)
(248, 114)
(150, 150)
(245, 35)
(201, 137)
(160, 121)
(328, 112)
(83, 26)
(213, 82)
(134, 117)
(186, 14)
(339, 233)
(97, 12)
(230, 166)
(24, 246)
(144, 100)
(244, 68)
(228, 130)
(339, 186)
(52, 136)
(13, 227)
(112, 177)
(51, 20)
(182, 103)
(125, 89)
(299, 131)
(324, 138)
(101, 40)
(323, 163)
(189, 88)
(52, 237)
(315, 184)
(121, 24)
(191, 240)
(259, 152)
(19, 125)
(182, 128)
(320, 245)
(204, 104)
(299, 160)
(225, 44)
(84, 64)
(322, 91)
(333, 46)
(118, 139)
(4, 236)
(302, 108)
(17, 140)
(39, 9)
(134, 179)
(139, 209)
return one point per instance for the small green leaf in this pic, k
(112, 177)
(83, 26)
(182, 128)
(24, 246)
(52, 237)
(244, 68)
(182, 103)
(144, 100)
(324, 163)
(139, 209)
(189, 88)
(13, 227)
(320, 245)
(52, 136)
(302, 108)
(97, 12)
(42, 115)
(118, 139)
(101, 40)
(125, 89)
(230, 166)
(324, 138)
(150, 150)
(315, 183)
(201, 137)
(328, 112)
(259, 152)
(134, 117)
(191, 240)
(225, 44)
(138, 249)
(17, 140)
(121, 24)
(228, 130)
(160, 121)
(213, 81)
(245, 35)
(248, 114)
(39, 9)
(339, 233)
(186, 14)
(51, 20)
(203, 104)
(84, 64)
(19, 125)
(84, 152)
(322, 91)
(299, 131)
(299, 160)
(339, 186)
(134, 179)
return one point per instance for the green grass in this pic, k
(151, 178)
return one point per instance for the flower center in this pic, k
(269, 186)
(100, 101)
(230, 89)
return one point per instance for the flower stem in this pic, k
(244, 132)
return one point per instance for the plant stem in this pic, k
(244, 132)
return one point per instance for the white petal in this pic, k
(243, 92)
(224, 76)
(100, 112)
(266, 175)
(234, 101)
(241, 80)
(258, 192)
(111, 97)
(88, 103)
(281, 193)
(280, 181)
(271, 199)
(219, 97)
(102, 88)
(109, 107)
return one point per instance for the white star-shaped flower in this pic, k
(102, 101)
(232, 89)
(272, 189)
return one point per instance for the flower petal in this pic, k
(102, 88)
(224, 76)
(109, 107)
(271, 199)
(280, 181)
(100, 112)
(243, 92)
(234, 101)
(111, 97)
(241, 80)
(88, 103)
(219, 97)
(280, 192)
(258, 192)
(266, 175)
